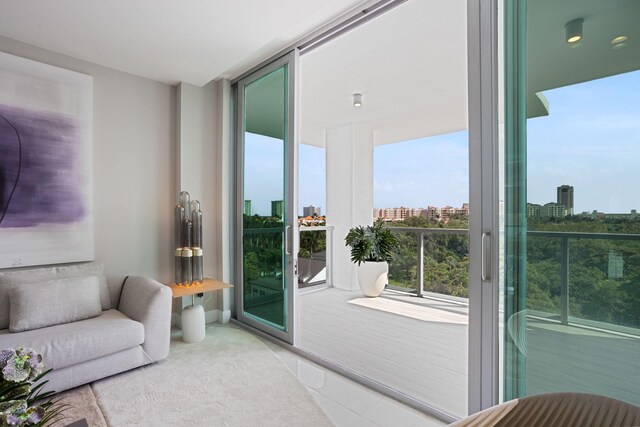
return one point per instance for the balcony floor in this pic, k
(422, 355)
(418, 346)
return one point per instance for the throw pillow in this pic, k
(43, 304)
(28, 276)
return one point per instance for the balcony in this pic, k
(414, 338)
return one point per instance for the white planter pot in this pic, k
(372, 277)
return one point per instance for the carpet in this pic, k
(82, 405)
(229, 379)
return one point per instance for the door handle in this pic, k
(485, 256)
(287, 251)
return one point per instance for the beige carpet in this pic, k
(82, 404)
(229, 379)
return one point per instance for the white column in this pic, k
(223, 196)
(349, 157)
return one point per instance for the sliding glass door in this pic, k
(572, 242)
(553, 295)
(265, 199)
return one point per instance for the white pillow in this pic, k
(27, 276)
(43, 304)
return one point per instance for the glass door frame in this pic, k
(485, 234)
(291, 243)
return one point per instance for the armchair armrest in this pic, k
(149, 302)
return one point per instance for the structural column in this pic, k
(349, 167)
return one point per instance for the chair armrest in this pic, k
(149, 302)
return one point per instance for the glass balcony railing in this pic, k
(314, 256)
(431, 260)
(585, 278)
(588, 279)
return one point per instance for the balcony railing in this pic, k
(444, 247)
(314, 256)
(571, 277)
(598, 276)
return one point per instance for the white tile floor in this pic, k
(347, 403)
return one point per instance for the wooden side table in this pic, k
(193, 322)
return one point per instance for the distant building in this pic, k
(277, 208)
(601, 215)
(311, 211)
(414, 212)
(432, 212)
(447, 212)
(311, 220)
(247, 208)
(533, 210)
(464, 210)
(553, 210)
(565, 197)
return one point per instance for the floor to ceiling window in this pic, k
(572, 261)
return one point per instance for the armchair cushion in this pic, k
(77, 342)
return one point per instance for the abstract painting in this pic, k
(46, 209)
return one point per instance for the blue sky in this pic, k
(264, 172)
(423, 172)
(591, 140)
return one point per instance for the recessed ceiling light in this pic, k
(618, 46)
(574, 30)
(357, 100)
(619, 39)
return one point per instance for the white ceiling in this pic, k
(193, 41)
(410, 65)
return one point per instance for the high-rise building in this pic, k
(565, 197)
(277, 208)
(247, 208)
(311, 211)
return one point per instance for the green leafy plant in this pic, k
(21, 400)
(373, 243)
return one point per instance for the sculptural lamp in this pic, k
(188, 241)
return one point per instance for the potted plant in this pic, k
(372, 247)
(21, 400)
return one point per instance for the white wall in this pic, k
(134, 170)
(203, 166)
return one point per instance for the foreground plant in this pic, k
(21, 403)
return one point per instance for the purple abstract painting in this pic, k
(39, 181)
(46, 209)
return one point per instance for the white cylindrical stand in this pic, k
(193, 325)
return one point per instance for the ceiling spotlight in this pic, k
(619, 39)
(574, 30)
(618, 46)
(357, 100)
